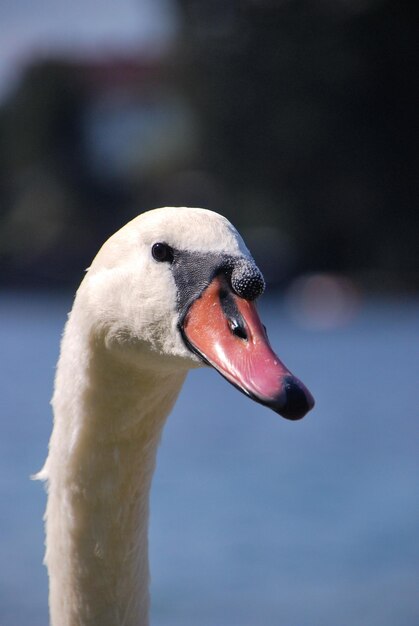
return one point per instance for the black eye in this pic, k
(162, 252)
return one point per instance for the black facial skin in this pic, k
(194, 271)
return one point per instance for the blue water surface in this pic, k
(255, 521)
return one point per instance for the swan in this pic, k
(172, 290)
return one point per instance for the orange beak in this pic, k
(226, 332)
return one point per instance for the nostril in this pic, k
(297, 402)
(237, 329)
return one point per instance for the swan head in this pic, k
(175, 289)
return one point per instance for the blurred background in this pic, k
(297, 119)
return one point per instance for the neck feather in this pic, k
(108, 418)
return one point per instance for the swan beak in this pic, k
(226, 332)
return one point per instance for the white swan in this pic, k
(169, 291)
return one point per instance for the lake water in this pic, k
(255, 521)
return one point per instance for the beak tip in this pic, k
(295, 401)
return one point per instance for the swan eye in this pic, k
(162, 252)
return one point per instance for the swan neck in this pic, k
(108, 418)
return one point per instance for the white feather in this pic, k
(121, 367)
